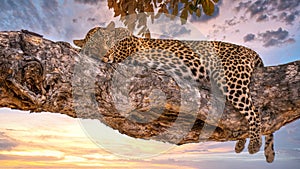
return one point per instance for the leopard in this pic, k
(229, 66)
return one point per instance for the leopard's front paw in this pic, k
(240, 145)
(254, 145)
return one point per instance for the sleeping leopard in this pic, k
(228, 65)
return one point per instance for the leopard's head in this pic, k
(81, 42)
(99, 40)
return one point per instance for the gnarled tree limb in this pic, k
(37, 74)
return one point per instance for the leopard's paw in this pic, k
(240, 145)
(254, 145)
(269, 148)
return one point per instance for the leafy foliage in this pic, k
(134, 13)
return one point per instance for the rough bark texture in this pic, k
(37, 74)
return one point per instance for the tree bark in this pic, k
(37, 74)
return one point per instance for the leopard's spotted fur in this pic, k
(230, 66)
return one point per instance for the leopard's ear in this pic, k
(111, 26)
(79, 43)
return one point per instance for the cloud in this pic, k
(90, 2)
(91, 19)
(257, 8)
(275, 42)
(242, 5)
(175, 31)
(271, 37)
(275, 38)
(232, 22)
(39, 16)
(249, 37)
(288, 4)
(54, 19)
(262, 18)
(289, 18)
(6, 143)
(280, 34)
(205, 18)
(264, 9)
(165, 28)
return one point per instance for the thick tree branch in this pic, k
(40, 75)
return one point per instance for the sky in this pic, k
(44, 140)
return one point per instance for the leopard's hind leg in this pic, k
(253, 118)
(242, 101)
(269, 148)
(240, 145)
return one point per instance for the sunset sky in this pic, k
(37, 140)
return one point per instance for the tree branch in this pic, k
(37, 74)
